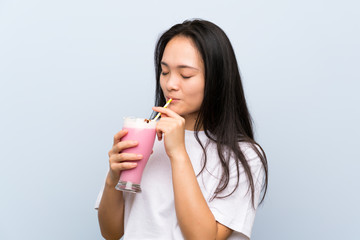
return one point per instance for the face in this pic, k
(182, 77)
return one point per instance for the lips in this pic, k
(173, 98)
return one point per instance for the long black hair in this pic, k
(223, 114)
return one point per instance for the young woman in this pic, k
(205, 177)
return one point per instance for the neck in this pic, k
(190, 121)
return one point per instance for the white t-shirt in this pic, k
(151, 213)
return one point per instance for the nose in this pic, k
(172, 83)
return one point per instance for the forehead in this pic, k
(181, 50)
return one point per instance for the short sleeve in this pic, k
(236, 211)
(98, 199)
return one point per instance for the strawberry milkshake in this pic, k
(143, 131)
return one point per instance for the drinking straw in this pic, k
(167, 104)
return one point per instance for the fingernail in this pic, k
(139, 156)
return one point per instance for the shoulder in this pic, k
(255, 161)
(252, 152)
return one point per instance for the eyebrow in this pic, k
(179, 66)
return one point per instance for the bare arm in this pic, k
(111, 208)
(195, 219)
(111, 213)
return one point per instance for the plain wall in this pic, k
(70, 70)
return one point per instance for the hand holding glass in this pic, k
(143, 131)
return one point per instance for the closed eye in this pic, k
(186, 77)
(164, 73)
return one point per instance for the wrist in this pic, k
(179, 156)
(111, 181)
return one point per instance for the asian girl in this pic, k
(207, 175)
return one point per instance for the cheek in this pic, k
(162, 85)
(197, 93)
(199, 99)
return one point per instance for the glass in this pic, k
(143, 131)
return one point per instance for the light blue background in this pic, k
(71, 69)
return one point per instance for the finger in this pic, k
(166, 124)
(168, 112)
(117, 167)
(120, 146)
(119, 135)
(122, 157)
(128, 165)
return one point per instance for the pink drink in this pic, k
(144, 133)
